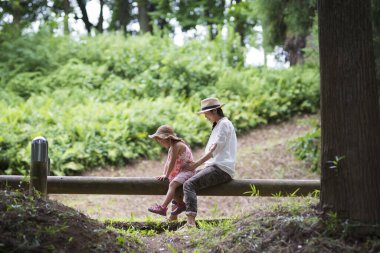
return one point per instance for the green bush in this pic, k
(96, 99)
(308, 148)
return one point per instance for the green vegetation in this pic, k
(29, 224)
(96, 99)
(308, 147)
(291, 225)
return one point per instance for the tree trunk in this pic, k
(294, 46)
(99, 26)
(87, 23)
(350, 118)
(144, 19)
(239, 27)
(124, 14)
(66, 9)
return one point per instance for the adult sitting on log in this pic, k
(219, 164)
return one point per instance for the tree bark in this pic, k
(144, 19)
(239, 27)
(99, 26)
(350, 118)
(294, 46)
(87, 23)
(124, 14)
(66, 9)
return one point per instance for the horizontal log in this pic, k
(151, 186)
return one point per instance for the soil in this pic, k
(32, 224)
(262, 154)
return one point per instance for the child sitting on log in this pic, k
(179, 157)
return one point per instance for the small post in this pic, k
(39, 166)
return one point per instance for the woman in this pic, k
(219, 163)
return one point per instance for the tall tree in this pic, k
(99, 26)
(350, 117)
(85, 19)
(161, 13)
(240, 16)
(144, 7)
(20, 13)
(121, 14)
(286, 24)
(63, 7)
(376, 35)
(66, 10)
(209, 13)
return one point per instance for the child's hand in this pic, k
(162, 178)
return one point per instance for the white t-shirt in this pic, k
(224, 156)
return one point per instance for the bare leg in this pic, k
(178, 197)
(170, 194)
(191, 220)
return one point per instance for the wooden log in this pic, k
(10, 182)
(151, 186)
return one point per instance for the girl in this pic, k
(179, 155)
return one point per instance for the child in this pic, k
(179, 156)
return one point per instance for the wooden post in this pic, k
(39, 167)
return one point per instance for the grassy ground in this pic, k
(291, 225)
(262, 154)
(85, 223)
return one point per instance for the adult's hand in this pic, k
(189, 166)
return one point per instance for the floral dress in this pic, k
(182, 159)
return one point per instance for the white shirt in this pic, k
(224, 156)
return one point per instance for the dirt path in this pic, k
(262, 153)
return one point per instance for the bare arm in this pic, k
(203, 159)
(177, 150)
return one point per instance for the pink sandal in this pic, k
(181, 207)
(158, 210)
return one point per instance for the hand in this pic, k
(162, 178)
(189, 166)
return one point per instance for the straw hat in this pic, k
(209, 104)
(165, 132)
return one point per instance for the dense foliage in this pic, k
(96, 99)
(308, 148)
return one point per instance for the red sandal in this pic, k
(158, 210)
(181, 207)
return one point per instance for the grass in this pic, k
(32, 224)
(292, 225)
(282, 224)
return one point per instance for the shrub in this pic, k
(96, 99)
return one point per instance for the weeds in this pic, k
(253, 192)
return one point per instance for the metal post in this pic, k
(39, 166)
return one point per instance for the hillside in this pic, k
(85, 223)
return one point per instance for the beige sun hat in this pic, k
(209, 104)
(165, 132)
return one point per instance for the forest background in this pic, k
(96, 97)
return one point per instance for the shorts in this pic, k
(182, 176)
